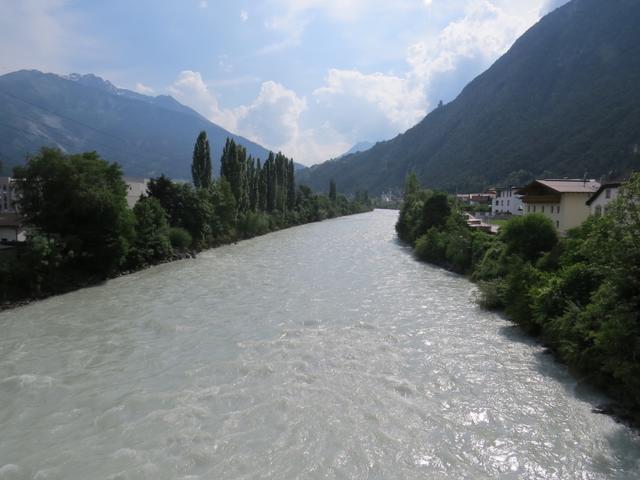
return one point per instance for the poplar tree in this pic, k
(201, 164)
(333, 194)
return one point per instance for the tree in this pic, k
(291, 186)
(411, 187)
(333, 195)
(435, 211)
(152, 232)
(201, 164)
(80, 200)
(529, 236)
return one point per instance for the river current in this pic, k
(323, 351)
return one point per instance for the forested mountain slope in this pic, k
(146, 135)
(563, 101)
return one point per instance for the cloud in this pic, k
(380, 105)
(143, 89)
(203, 4)
(551, 5)
(244, 15)
(190, 89)
(370, 105)
(273, 117)
(42, 34)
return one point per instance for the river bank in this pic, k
(344, 358)
(95, 281)
(578, 294)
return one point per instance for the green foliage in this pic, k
(201, 164)
(580, 114)
(530, 236)
(83, 231)
(180, 238)
(580, 293)
(152, 232)
(80, 199)
(332, 190)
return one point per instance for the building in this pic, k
(136, 187)
(476, 199)
(8, 195)
(599, 201)
(11, 229)
(507, 202)
(564, 201)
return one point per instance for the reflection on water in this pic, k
(324, 351)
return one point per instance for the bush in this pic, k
(252, 224)
(180, 238)
(529, 236)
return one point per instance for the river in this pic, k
(323, 351)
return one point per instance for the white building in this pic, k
(11, 229)
(8, 195)
(507, 202)
(599, 201)
(135, 188)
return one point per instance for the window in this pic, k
(528, 208)
(558, 209)
(508, 201)
(534, 208)
(558, 224)
(598, 210)
(607, 194)
(542, 208)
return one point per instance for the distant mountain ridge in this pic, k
(357, 148)
(146, 135)
(563, 101)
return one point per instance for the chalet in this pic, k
(507, 202)
(599, 201)
(563, 201)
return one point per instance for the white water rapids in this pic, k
(324, 351)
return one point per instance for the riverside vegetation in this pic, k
(81, 230)
(580, 293)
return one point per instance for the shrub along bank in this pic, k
(81, 230)
(580, 293)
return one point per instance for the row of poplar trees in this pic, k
(256, 187)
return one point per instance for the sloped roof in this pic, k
(571, 186)
(602, 188)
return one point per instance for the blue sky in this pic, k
(308, 77)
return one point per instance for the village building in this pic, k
(507, 202)
(11, 228)
(564, 201)
(599, 201)
(136, 187)
(8, 195)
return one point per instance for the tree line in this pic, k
(580, 293)
(82, 231)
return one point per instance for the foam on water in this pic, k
(324, 351)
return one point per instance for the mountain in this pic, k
(563, 101)
(357, 148)
(146, 135)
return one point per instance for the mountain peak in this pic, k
(91, 80)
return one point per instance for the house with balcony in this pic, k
(564, 201)
(599, 201)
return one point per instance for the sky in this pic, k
(310, 78)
